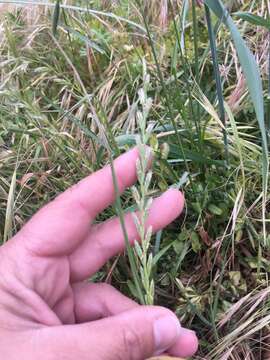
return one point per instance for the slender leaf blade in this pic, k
(253, 19)
(56, 15)
(10, 208)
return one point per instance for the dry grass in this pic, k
(30, 13)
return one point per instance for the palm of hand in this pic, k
(44, 267)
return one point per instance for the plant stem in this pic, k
(218, 79)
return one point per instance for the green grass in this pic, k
(68, 102)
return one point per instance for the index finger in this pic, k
(60, 226)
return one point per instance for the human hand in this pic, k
(48, 311)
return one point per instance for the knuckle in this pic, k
(70, 197)
(106, 287)
(132, 345)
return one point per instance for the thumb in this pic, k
(132, 335)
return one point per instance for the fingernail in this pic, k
(185, 331)
(166, 331)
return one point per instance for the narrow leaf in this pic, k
(253, 19)
(9, 209)
(56, 16)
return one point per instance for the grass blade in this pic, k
(56, 16)
(10, 208)
(253, 19)
(195, 40)
(213, 47)
(183, 19)
(130, 253)
(85, 39)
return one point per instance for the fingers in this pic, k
(105, 301)
(61, 225)
(106, 240)
(133, 335)
(186, 345)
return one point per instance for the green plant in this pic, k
(253, 78)
(141, 193)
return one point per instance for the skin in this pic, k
(47, 308)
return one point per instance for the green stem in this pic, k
(130, 253)
(56, 16)
(195, 40)
(167, 99)
(218, 79)
(189, 90)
